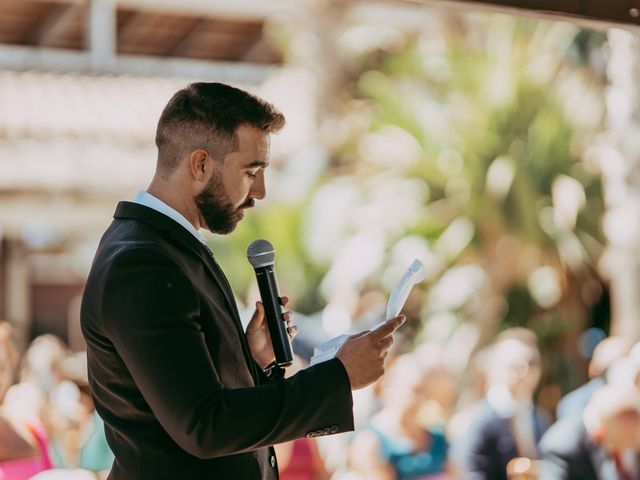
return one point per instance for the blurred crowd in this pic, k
(48, 426)
(421, 421)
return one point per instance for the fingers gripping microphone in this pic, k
(261, 255)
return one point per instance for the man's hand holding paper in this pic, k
(413, 275)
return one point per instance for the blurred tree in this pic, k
(618, 152)
(458, 139)
(488, 114)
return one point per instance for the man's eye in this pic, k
(252, 174)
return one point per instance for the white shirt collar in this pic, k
(148, 200)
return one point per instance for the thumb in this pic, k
(257, 320)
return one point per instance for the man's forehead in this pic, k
(251, 137)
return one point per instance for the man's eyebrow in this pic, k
(257, 163)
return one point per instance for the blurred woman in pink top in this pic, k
(23, 443)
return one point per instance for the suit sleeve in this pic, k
(151, 314)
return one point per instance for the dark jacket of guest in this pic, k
(489, 443)
(569, 453)
(170, 369)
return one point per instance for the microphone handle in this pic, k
(270, 295)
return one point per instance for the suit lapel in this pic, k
(223, 284)
(180, 235)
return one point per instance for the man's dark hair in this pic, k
(207, 115)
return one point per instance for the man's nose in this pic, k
(259, 188)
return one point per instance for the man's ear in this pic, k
(199, 165)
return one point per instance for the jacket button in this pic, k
(326, 431)
(311, 434)
(334, 429)
(273, 461)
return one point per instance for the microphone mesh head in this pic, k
(261, 253)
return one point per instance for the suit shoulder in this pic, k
(129, 241)
(564, 437)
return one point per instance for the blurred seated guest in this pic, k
(78, 439)
(606, 353)
(625, 371)
(597, 444)
(440, 385)
(24, 448)
(8, 358)
(395, 445)
(469, 396)
(505, 424)
(40, 362)
(300, 460)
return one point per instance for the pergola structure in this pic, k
(203, 38)
(190, 38)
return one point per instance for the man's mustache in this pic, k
(250, 202)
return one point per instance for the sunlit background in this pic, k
(497, 149)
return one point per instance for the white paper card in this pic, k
(414, 274)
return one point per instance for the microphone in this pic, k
(261, 256)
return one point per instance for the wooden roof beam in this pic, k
(602, 13)
(198, 26)
(55, 24)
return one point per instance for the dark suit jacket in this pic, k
(489, 444)
(568, 453)
(170, 370)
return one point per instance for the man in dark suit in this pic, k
(597, 444)
(183, 391)
(505, 424)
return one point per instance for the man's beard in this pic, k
(217, 210)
